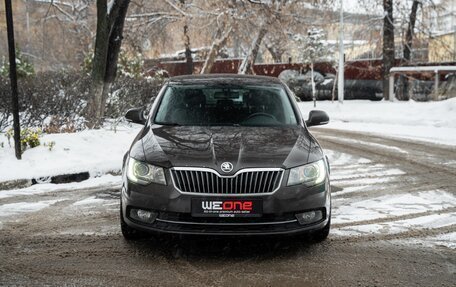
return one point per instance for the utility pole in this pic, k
(340, 80)
(13, 78)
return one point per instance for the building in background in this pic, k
(442, 31)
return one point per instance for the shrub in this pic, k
(55, 101)
(44, 95)
(129, 93)
(50, 145)
(23, 67)
(30, 137)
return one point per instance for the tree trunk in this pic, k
(104, 65)
(276, 54)
(388, 45)
(247, 64)
(314, 98)
(405, 95)
(99, 61)
(215, 48)
(115, 40)
(333, 92)
(188, 52)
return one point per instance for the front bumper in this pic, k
(174, 211)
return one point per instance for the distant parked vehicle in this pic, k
(301, 85)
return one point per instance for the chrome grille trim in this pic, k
(245, 182)
(227, 223)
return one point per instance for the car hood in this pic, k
(244, 147)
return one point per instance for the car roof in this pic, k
(224, 79)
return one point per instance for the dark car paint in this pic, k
(245, 147)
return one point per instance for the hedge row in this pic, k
(57, 100)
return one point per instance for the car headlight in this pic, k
(310, 174)
(143, 173)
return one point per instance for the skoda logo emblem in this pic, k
(226, 166)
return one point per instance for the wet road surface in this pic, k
(394, 224)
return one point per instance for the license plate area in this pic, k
(227, 207)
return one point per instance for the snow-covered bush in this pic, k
(56, 101)
(46, 95)
(127, 93)
(30, 137)
(313, 48)
(23, 67)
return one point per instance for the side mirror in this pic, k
(317, 118)
(136, 116)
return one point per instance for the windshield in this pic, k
(225, 105)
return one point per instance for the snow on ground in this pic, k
(397, 205)
(446, 239)
(95, 151)
(426, 121)
(360, 142)
(415, 225)
(24, 207)
(362, 210)
(106, 180)
(398, 226)
(89, 201)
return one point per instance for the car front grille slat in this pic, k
(206, 181)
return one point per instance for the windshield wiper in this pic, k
(224, 125)
(167, 123)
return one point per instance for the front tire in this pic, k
(322, 234)
(130, 233)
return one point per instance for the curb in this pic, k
(56, 179)
(15, 184)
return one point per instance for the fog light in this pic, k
(309, 217)
(143, 215)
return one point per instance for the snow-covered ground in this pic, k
(107, 180)
(372, 204)
(94, 151)
(425, 121)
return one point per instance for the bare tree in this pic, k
(275, 43)
(249, 60)
(221, 36)
(214, 50)
(268, 13)
(404, 94)
(388, 45)
(110, 23)
(188, 51)
(410, 28)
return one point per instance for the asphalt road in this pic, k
(74, 238)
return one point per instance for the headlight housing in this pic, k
(309, 174)
(144, 173)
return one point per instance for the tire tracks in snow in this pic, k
(426, 168)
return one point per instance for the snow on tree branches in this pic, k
(313, 48)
